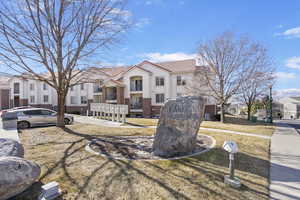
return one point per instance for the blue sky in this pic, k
(172, 29)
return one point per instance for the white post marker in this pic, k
(50, 191)
(232, 148)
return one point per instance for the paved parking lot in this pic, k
(9, 133)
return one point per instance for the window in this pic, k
(136, 85)
(83, 100)
(82, 86)
(180, 81)
(97, 88)
(31, 86)
(73, 100)
(32, 99)
(72, 88)
(160, 81)
(160, 98)
(46, 112)
(16, 88)
(45, 86)
(46, 98)
(33, 112)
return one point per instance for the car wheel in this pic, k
(23, 125)
(67, 121)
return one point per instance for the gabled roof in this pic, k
(117, 83)
(180, 65)
(137, 67)
(155, 64)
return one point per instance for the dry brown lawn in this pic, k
(141, 121)
(81, 175)
(232, 124)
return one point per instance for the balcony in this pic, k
(111, 95)
(136, 103)
(97, 88)
(136, 106)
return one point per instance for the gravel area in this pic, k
(139, 147)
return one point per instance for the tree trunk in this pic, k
(60, 109)
(249, 111)
(222, 116)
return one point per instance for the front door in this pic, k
(16, 101)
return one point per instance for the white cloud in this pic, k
(293, 62)
(126, 14)
(285, 75)
(287, 92)
(279, 26)
(158, 57)
(292, 33)
(181, 2)
(111, 64)
(149, 2)
(142, 22)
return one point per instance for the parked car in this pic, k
(15, 108)
(31, 117)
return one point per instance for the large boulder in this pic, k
(9, 147)
(17, 174)
(178, 126)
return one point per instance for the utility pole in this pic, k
(270, 120)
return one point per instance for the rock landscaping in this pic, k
(17, 174)
(140, 147)
(178, 126)
(9, 147)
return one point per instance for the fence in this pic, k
(106, 111)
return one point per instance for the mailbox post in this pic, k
(232, 148)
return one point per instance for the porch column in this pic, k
(103, 100)
(120, 95)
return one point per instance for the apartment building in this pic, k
(4, 91)
(143, 87)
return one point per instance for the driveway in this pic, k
(294, 123)
(285, 161)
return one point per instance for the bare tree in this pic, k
(257, 83)
(230, 60)
(51, 40)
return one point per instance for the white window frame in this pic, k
(31, 87)
(46, 98)
(83, 101)
(45, 86)
(32, 99)
(160, 100)
(159, 81)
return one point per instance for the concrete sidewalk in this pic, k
(285, 163)
(101, 122)
(9, 133)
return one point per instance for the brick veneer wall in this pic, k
(146, 107)
(47, 106)
(120, 95)
(4, 99)
(155, 110)
(211, 109)
(76, 109)
(127, 102)
(23, 102)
